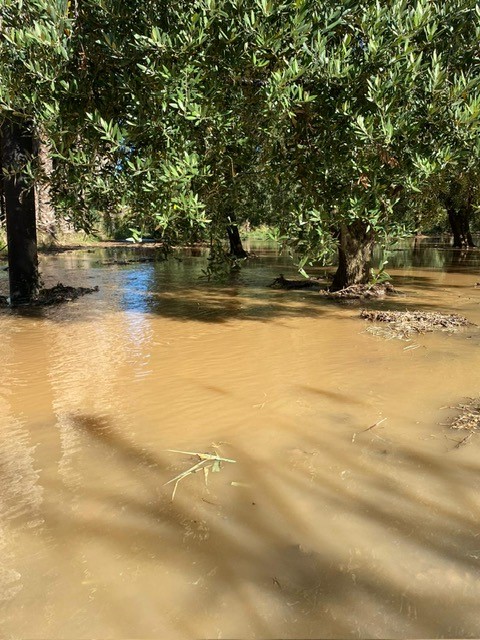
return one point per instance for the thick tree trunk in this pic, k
(3, 211)
(236, 247)
(458, 204)
(455, 227)
(459, 219)
(355, 245)
(16, 142)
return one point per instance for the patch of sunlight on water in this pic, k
(311, 533)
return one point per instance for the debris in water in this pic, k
(368, 428)
(207, 461)
(353, 292)
(467, 419)
(55, 295)
(463, 441)
(412, 347)
(469, 416)
(404, 324)
(361, 292)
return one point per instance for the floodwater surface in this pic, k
(320, 528)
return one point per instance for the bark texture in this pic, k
(46, 221)
(355, 245)
(16, 143)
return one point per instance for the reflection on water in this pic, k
(429, 253)
(311, 533)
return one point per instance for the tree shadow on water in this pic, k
(219, 305)
(327, 539)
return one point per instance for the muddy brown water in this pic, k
(308, 533)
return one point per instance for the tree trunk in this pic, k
(46, 221)
(465, 213)
(16, 142)
(460, 211)
(459, 219)
(3, 210)
(236, 247)
(355, 245)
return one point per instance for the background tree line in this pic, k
(341, 123)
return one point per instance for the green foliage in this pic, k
(179, 118)
(380, 276)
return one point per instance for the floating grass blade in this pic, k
(207, 461)
(202, 456)
(186, 473)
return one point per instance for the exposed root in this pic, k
(55, 295)
(354, 292)
(361, 292)
(404, 324)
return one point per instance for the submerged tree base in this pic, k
(405, 324)
(361, 292)
(353, 292)
(55, 295)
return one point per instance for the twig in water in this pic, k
(202, 456)
(411, 347)
(463, 441)
(207, 461)
(367, 429)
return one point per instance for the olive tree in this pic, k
(391, 102)
(322, 118)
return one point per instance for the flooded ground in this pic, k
(311, 532)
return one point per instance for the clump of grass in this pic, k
(404, 324)
(206, 461)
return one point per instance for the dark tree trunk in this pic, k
(3, 211)
(236, 247)
(16, 142)
(460, 211)
(459, 219)
(355, 245)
